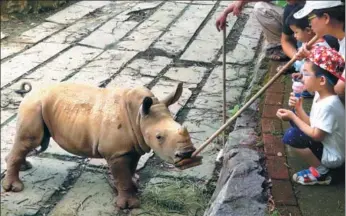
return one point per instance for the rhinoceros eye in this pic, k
(158, 136)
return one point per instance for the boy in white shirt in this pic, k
(320, 137)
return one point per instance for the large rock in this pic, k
(239, 190)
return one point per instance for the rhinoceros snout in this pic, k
(184, 153)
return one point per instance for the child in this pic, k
(303, 34)
(320, 138)
(326, 17)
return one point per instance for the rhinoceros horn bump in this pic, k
(147, 102)
(183, 131)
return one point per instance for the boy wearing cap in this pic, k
(319, 138)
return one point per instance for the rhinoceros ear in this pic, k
(174, 96)
(146, 104)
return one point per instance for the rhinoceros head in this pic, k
(169, 140)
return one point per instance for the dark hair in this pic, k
(302, 23)
(335, 13)
(332, 80)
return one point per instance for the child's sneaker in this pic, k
(311, 176)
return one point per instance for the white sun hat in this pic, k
(314, 5)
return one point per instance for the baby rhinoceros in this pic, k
(119, 124)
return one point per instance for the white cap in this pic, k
(313, 5)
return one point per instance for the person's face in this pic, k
(301, 35)
(318, 24)
(311, 82)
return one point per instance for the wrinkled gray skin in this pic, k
(117, 124)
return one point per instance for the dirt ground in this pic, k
(15, 24)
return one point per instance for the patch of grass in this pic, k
(182, 197)
(234, 110)
(275, 212)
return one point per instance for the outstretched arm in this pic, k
(234, 7)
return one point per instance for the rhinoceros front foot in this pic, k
(123, 171)
(11, 183)
(125, 201)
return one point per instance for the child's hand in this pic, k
(302, 53)
(297, 76)
(284, 114)
(293, 101)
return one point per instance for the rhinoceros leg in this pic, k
(133, 167)
(29, 135)
(121, 169)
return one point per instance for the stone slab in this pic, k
(204, 2)
(180, 33)
(145, 67)
(38, 33)
(103, 67)
(192, 74)
(139, 40)
(164, 87)
(3, 35)
(159, 21)
(148, 31)
(75, 12)
(53, 72)
(142, 6)
(211, 101)
(10, 48)
(40, 182)
(244, 51)
(126, 81)
(209, 41)
(88, 24)
(111, 32)
(90, 195)
(21, 64)
(93, 4)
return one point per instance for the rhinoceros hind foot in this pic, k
(124, 202)
(12, 184)
(25, 166)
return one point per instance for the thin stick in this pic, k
(224, 84)
(270, 82)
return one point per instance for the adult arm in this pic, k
(288, 45)
(235, 7)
